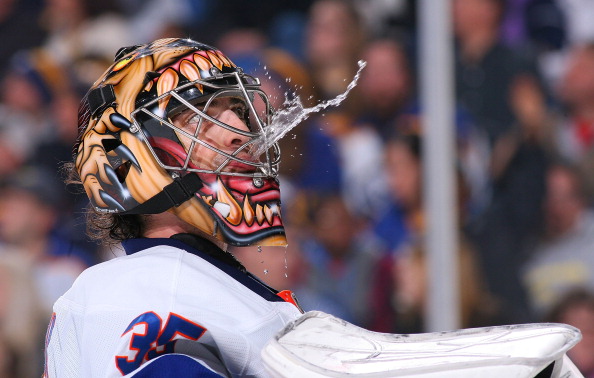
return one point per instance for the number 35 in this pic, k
(149, 340)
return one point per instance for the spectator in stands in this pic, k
(563, 259)
(576, 308)
(400, 292)
(24, 95)
(339, 257)
(334, 37)
(500, 89)
(29, 204)
(22, 321)
(486, 69)
(402, 218)
(574, 134)
(399, 289)
(17, 16)
(386, 87)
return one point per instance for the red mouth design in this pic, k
(244, 207)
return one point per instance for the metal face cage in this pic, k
(153, 121)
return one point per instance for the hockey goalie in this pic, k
(166, 156)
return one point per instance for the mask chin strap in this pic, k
(173, 195)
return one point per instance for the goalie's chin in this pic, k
(247, 210)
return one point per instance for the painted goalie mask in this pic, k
(173, 126)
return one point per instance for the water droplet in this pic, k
(265, 271)
(294, 112)
(259, 248)
(286, 264)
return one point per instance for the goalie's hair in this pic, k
(105, 228)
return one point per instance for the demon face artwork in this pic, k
(174, 125)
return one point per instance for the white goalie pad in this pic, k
(321, 345)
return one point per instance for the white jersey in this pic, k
(164, 298)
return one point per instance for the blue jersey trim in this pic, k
(173, 366)
(245, 278)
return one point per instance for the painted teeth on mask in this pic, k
(227, 206)
(248, 212)
(234, 215)
(265, 213)
(268, 214)
(223, 208)
(259, 214)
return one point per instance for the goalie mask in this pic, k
(173, 126)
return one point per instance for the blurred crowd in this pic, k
(351, 176)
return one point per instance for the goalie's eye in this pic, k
(188, 120)
(240, 108)
(192, 123)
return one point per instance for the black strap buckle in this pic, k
(100, 99)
